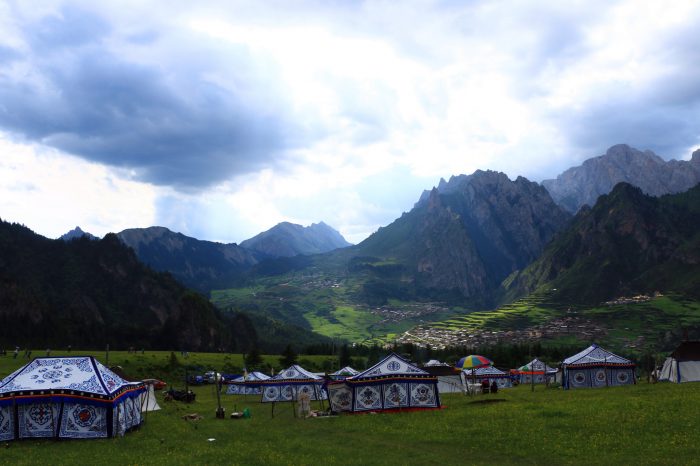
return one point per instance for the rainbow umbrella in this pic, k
(473, 361)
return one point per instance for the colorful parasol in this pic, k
(473, 361)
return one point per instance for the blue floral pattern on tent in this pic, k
(290, 383)
(7, 426)
(83, 421)
(423, 395)
(38, 394)
(392, 383)
(368, 397)
(395, 395)
(596, 367)
(37, 420)
(340, 397)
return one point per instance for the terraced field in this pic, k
(650, 325)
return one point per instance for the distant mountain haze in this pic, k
(288, 239)
(202, 265)
(206, 265)
(582, 185)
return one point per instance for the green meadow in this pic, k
(641, 424)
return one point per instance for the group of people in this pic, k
(486, 388)
(28, 352)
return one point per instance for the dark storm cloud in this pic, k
(669, 132)
(662, 114)
(167, 124)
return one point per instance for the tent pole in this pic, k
(605, 371)
(15, 416)
(57, 427)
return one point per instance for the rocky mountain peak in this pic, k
(289, 239)
(76, 232)
(621, 163)
(695, 158)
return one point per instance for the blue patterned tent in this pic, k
(247, 385)
(292, 382)
(596, 367)
(491, 374)
(67, 397)
(393, 383)
(344, 373)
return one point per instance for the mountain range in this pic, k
(88, 293)
(206, 265)
(461, 241)
(627, 243)
(582, 185)
(288, 239)
(473, 241)
(201, 265)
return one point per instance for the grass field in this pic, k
(642, 424)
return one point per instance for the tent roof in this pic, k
(486, 370)
(347, 370)
(392, 365)
(687, 351)
(536, 366)
(81, 375)
(595, 355)
(295, 372)
(255, 375)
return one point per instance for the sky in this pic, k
(220, 119)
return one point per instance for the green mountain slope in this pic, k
(452, 250)
(627, 243)
(201, 265)
(89, 293)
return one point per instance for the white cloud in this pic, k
(356, 108)
(51, 193)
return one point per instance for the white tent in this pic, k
(596, 367)
(683, 365)
(247, 384)
(148, 399)
(292, 382)
(449, 380)
(67, 397)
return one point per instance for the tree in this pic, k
(289, 357)
(344, 356)
(253, 360)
